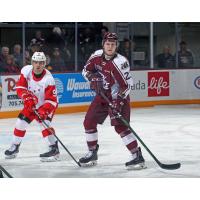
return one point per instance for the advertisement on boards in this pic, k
(73, 88)
(10, 100)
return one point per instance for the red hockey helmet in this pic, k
(110, 37)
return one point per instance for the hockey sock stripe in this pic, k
(128, 139)
(130, 142)
(90, 131)
(91, 137)
(46, 132)
(19, 133)
(132, 147)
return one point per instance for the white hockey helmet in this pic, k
(39, 56)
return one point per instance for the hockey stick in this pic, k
(5, 172)
(52, 132)
(162, 165)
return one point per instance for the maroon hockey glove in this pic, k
(117, 105)
(96, 82)
(30, 100)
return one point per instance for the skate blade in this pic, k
(136, 167)
(11, 156)
(89, 164)
(50, 159)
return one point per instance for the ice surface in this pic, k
(172, 133)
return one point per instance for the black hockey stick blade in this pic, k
(170, 166)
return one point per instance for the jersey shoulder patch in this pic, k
(121, 62)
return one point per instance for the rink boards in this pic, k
(152, 87)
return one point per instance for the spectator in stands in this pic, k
(67, 55)
(55, 40)
(27, 58)
(48, 65)
(38, 39)
(185, 57)
(87, 43)
(9, 66)
(104, 30)
(99, 37)
(57, 62)
(165, 59)
(18, 55)
(125, 49)
(34, 48)
(4, 54)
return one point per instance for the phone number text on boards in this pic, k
(15, 103)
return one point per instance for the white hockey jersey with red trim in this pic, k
(43, 87)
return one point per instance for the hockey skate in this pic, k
(52, 155)
(90, 159)
(12, 151)
(137, 163)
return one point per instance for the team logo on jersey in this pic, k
(98, 67)
(197, 82)
(158, 84)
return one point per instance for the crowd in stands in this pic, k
(167, 60)
(59, 49)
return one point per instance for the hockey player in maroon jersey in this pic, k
(109, 72)
(36, 87)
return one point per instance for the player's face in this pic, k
(110, 47)
(38, 66)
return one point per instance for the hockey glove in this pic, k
(96, 82)
(117, 105)
(44, 111)
(30, 100)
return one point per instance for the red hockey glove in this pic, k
(30, 100)
(96, 82)
(44, 111)
(117, 105)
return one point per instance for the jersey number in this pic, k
(127, 75)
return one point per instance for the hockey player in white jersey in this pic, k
(36, 87)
